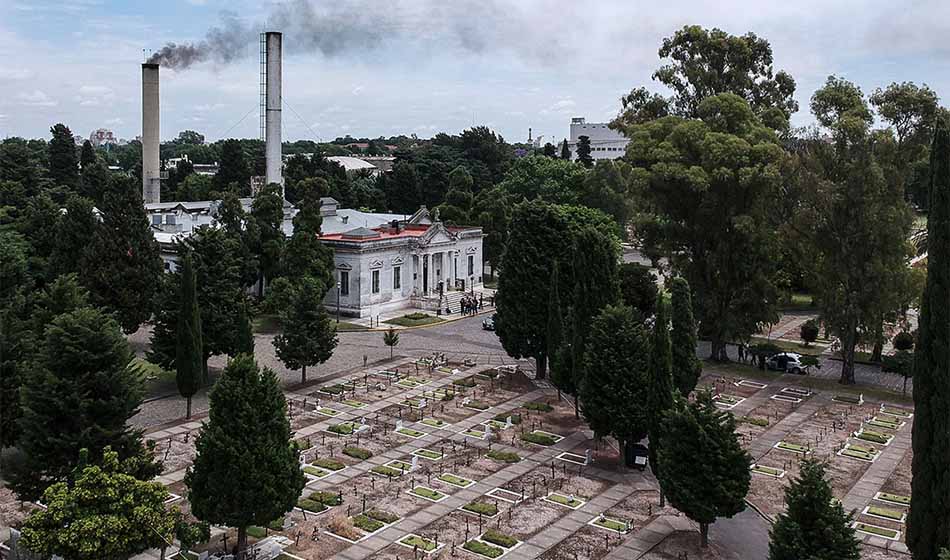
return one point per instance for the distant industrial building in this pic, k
(604, 142)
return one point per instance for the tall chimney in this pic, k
(151, 170)
(272, 150)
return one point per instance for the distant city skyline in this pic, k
(417, 67)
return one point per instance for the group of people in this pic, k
(471, 306)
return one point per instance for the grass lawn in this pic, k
(813, 349)
(410, 432)
(367, 523)
(345, 326)
(611, 524)
(894, 498)
(386, 471)
(434, 422)
(319, 473)
(427, 493)
(499, 538)
(483, 549)
(455, 480)
(540, 439)
(503, 456)
(572, 503)
(421, 543)
(485, 508)
(886, 513)
(152, 370)
(331, 464)
(875, 530)
(793, 447)
(414, 320)
(358, 453)
(428, 454)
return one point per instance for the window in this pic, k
(156, 219)
(344, 283)
(397, 277)
(471, 265)
(375, 281)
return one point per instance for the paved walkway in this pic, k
(767, 440)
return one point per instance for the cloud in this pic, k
(36, 98)
(15, 74)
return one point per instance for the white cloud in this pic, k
(36, 98)
(15, 74)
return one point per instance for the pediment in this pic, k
(376, 263)
(471, 250)
(344, 266)
(397, 260)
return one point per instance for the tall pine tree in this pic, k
(555, 337)
(700, 431)
(686, 366)
(79, 393)
(928, 525)
(246, 470)
(814, 524)
(63, 163)
(189, 355)
(661, 382)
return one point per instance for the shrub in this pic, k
(515, 418)
(540, 439)
(417, 316)
(465, 382)
(310, 505)
(478, 405)
(343, 429)
(332, 389)
(342, 526)
(331, 464)
(483, 508)
(366, 523)
(479, 547)
(326, 498)
(383, 516)
(903, 341)
(386, 471)
(357, 453)
(503, 456)
(498, 538)
(539, 406)
(809, 331)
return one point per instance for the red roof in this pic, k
(383, 233)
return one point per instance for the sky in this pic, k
(385, 67)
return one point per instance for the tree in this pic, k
(538, 177)
(583, 151)
(105, 514)
(234, 173)
(305, 255)
(711, 184)
(457, 206)
(308, 335)
(87, 155)
(660, 383)
(189, 355)
(814, 524)
(78, 393)
(929, 515)
(614, 390)
(63, 164)
(391, 339)
(549, 150)
(856, 223)
(492, 211)
(704, 63)
(686, 366)
(536, 240)
(244, 342)
(809, 331)
(718, 489)
(267, 210)
(246, 470)
(638, 288)
(606, 187)
(124, 266)
(565, 151)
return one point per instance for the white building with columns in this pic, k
(382, 262)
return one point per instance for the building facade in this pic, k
(604, 142)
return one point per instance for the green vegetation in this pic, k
(503, 456)
(421, 543)
(894, 498)
(414, 320)
(332, 389)
(400, 465)
(343, 429)
(428, 454)
(790, 346)
(538, 438)
(850, 451)
(873, 436)
(311, 506)
(354, 403)
(485, 508)
(894, 411)
(464, 382)
(875, 530)
(357, 452)
(367, 523)
(771, 471)
(386, 471)
(484, 549)
(410, 432)
(611, 524)
(256, 532)
(434, 422)
(539, 406)
(319, 473)
(478, 405)
(428, 493)
(383, 516)
(793, 447)
(761, 422)
(503, 417)
(565, 500)
(501, 539)
(886, 513)
(331, 464)
(455, 480)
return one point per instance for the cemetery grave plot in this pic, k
(452, 531)
(729, 385)
(824, 434)
(638, 509)
(763, 417)
(602, 455)
(176, 452)
(890, 505)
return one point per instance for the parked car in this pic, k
(789, 362)
(489, 323)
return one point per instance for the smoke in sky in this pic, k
(336, 28)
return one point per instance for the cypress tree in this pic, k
(87, 155)
(814, 524)
(555, 336)
(308, 336)
(189, 355)
(928, 525)
(614, 389)
(565, 151)
(583, 152)
(699, 431)
(246, 470)
(686, 366)
(661, 382)
(245, 332)
(63, 164)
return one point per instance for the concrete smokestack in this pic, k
(273, 168)
(151, 165)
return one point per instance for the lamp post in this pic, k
(338, 286)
